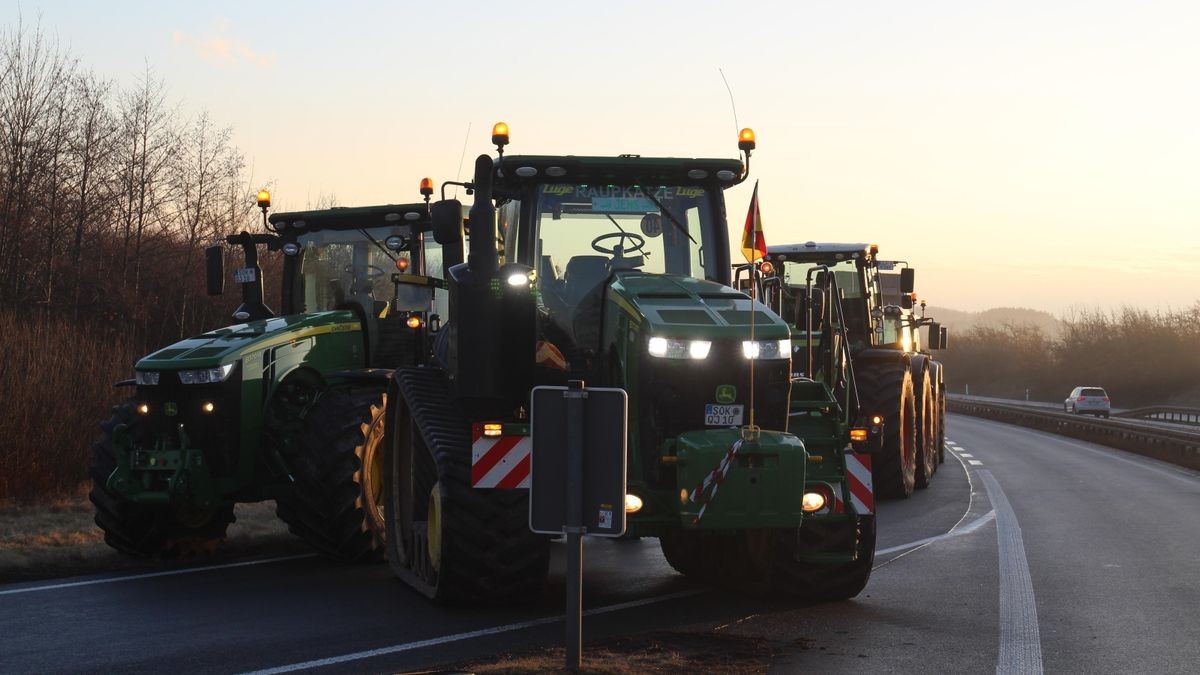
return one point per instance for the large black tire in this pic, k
(145, 531)
(335, 502)
(886, 389)
(926, 428)
(450, 542)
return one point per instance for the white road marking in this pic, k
(965, 454)
(459, 637)
(966, 529)
(1020, 640)
(150, 575)
(974, 462)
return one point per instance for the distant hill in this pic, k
(959, 321)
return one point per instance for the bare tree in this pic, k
(92, 146)
(35, 74)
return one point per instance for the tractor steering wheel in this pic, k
(639, 242)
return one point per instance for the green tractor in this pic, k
(614, 271)
(901, 386)
(286, 407)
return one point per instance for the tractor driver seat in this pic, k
(583, 273)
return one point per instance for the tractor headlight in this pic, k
(767, 349)
(145, 377)
(669, 348)
(206, 375)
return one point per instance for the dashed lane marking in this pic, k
(965, 454)
(974, 462)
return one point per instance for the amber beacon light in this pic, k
(746, 139)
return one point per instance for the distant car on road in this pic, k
(1087, 400)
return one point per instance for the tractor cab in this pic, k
(372, 261)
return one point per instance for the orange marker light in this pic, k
(746, 139)
(766, 268)
(402, 264)
(858, 435)
(874, 249)
(876, 420)
(264, 199)
(413, 321)
(427, 186)
(500, 133)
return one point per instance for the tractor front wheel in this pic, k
(887, 390)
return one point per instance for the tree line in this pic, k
(108, 194)
(1140, 357)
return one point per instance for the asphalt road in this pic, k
(1029, 552)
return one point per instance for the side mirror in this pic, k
(935, 336)
(447, 221)
(214, 268)
(906, 300)
(907, 279)
(944, 341)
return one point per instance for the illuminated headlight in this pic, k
(145, 377)
(518, 279)
(767, 349)
(812, 502)
(206, 375)
(669, 348)
(633, 503)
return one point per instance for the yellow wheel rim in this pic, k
(435, 526)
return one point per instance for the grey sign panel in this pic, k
(603, 444)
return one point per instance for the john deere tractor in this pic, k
(283, 406)
(900, 386)
(614, 271)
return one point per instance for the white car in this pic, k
(1087, 400)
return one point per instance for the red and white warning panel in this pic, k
(858, 477)
(499, 461)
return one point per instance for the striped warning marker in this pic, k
(499, 461)
(858, 477)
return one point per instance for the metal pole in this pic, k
(574, 529)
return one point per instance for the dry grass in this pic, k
(658, 652)
(59, 539)
(56, 379)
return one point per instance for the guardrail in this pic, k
(1180, 447)
(1164, 413)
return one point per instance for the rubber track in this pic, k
(137, 530)
(881, 386)
(325, 508)
(489, 555)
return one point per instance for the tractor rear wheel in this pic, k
(926, 431)
(887, 390)
(452, 543)
(146, 531)
(336, 502)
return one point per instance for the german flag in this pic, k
(754, 245)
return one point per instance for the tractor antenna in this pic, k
(732, 104)
(458, 172)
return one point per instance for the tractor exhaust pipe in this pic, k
(482, 259)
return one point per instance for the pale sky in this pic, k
(1038, 154)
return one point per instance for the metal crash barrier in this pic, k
(1180, 446)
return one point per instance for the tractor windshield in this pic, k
(586, 232)
(850, 283)
(338, 265)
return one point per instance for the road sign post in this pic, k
(577, 482)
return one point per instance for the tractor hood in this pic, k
(684, 307)
(227, 345)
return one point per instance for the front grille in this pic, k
(215, 433)
(676, 391)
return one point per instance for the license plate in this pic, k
(244, 275)
(717, 415)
